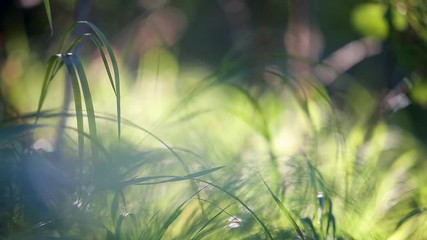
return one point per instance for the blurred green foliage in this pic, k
(236, 119)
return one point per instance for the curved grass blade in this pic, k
(100, 42)
(309, 224)
(285, 211)
(199, 232)
(143, 180)
(107, 46)
(266, 230)
(134, 224)
(175, 214)
(99, 45)
(52, 68)
(410, 215)
(263, 126)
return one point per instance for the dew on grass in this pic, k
(233, 222)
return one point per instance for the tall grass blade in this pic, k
(88, 102)
(77, 102)
(285, 211)
(100, 42)
(107, 46)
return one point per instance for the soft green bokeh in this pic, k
(370, 19)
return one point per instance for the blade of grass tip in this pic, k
(65, 37)
(285, 211)
(52, 62)
(77, 102)
(266, 230)
(99, 45)
(175, 214)
(76, 41)
(49, 15)
(88, 102)
(107, 46)
(118, 227)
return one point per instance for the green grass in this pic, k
(281, 163)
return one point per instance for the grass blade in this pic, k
(99, 45)
(100, 41)
(266, 230)
(175, 214)
(107, 46)
(88, 102)
(143, 180)
(410, 215)
(285, 211)
(52, 68)
(198, 234)
(77, 102)
(49, 15)
(119, 224)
